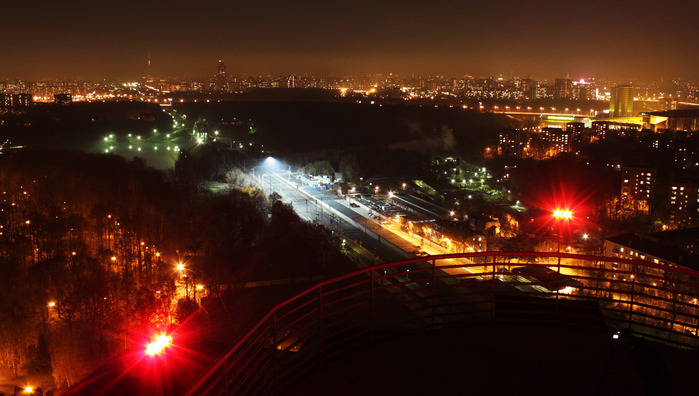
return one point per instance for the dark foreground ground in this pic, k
(507, 359)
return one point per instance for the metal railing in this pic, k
(655, 301)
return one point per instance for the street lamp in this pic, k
(561, 215)
(158, 345)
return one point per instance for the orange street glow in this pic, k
(158, 346)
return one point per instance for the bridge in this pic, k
(349, 312)
(557, 117)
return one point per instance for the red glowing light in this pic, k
(564, 214)
(160, 342)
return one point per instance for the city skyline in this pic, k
(544, 39)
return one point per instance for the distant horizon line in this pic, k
(341, 76)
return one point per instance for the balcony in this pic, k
(600, 299)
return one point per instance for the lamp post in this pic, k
(560, 215)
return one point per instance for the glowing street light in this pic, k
(28, 389)
(158, 345)
(562, 214)
(180, 267)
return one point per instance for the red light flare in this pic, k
(138, 373)
(159, 345)
(192, 350)
(566, 206)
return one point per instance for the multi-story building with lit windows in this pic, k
(581, 90)
(5, 100)
(604, 129)
(514, 142)
(63, 99)
(684, 204)
(562, 88)
(637, 183)
(577, 132)
(557, 139)
(659, 248)
(22, 100)
(221, 78)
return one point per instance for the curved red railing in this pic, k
(655, 301)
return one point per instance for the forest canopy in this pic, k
(90, 246)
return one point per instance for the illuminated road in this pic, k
(388, 243)
(313, 205)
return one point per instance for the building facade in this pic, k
(684, 204)
(621, 103)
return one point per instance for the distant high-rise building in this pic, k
(562, 88)
(621, 103)
(529, 88)
(149, 75)
(581, 90)
(221, 68)
(221, 79)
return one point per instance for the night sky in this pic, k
(619, 40)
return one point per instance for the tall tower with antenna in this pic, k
(148, 75)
